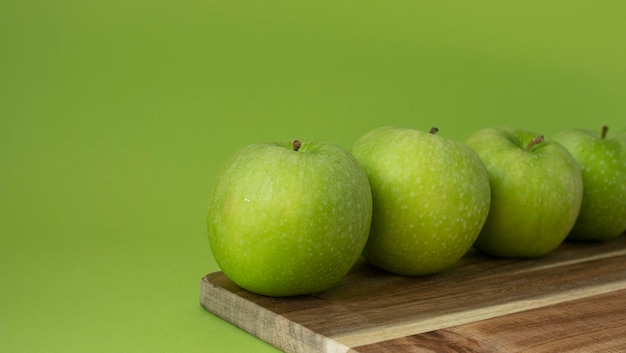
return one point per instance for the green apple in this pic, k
(536, 192)
(603, 164)
(431, 198)
(289, 218)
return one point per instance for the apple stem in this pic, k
(605, 129)
(537, 140)
(296, 145)
(433, 130)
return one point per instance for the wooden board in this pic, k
(572, 300)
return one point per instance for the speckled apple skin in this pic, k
(284, 223)
(535, 195)
(431, 198)
(603, 165)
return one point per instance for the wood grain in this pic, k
(596, 323)
(483, 304)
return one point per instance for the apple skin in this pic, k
(603, 165)
(536, 194)
(431, 198)
(283, 222)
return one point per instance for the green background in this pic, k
(115, 117)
